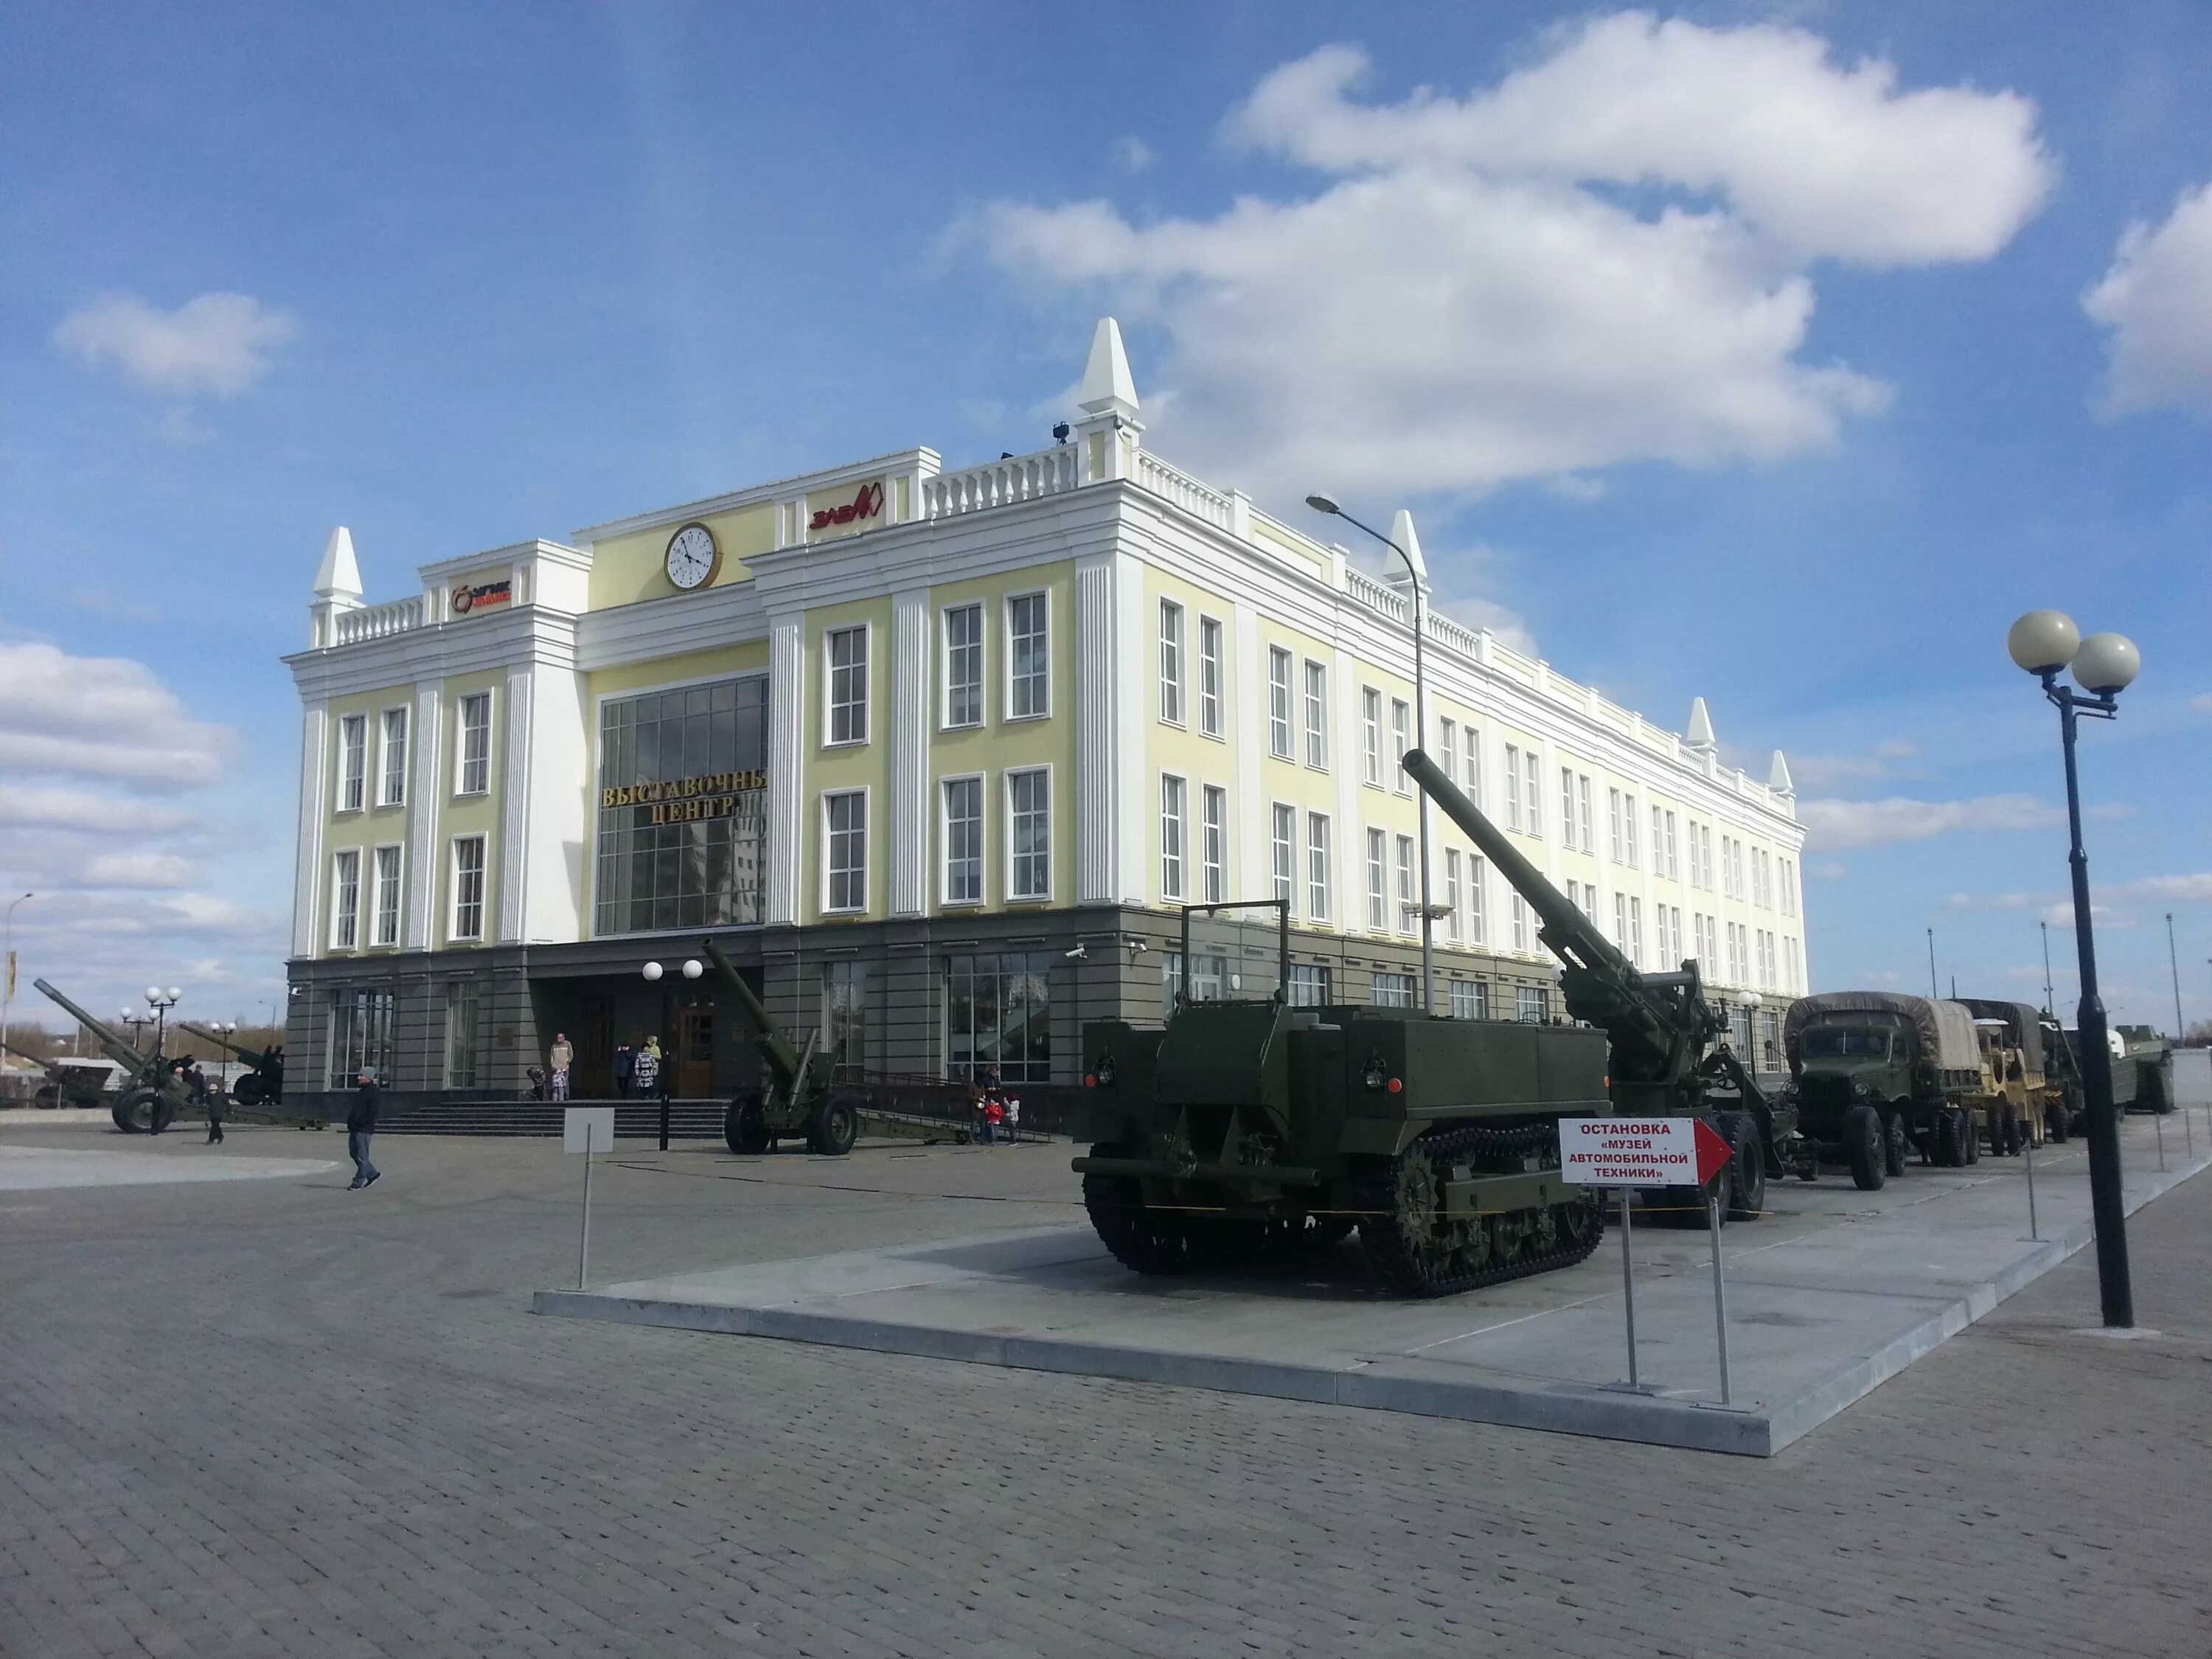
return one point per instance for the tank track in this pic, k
(1410, 1263)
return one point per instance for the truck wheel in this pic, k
(2054, 1125)
(1896, 1145)
(834, 1126)
(1970, 1135)
(1950, 1148)
(744, 1125)
(1863, 1148)
(1747, 1172)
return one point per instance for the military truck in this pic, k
(1875, 1074)
(2018, 1073)
(2142, 1070)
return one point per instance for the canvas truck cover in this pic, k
(1945, 1030)
(2023, 1026)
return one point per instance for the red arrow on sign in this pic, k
(1712, 1152)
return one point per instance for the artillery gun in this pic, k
(153, 1094)
(1665, 1057)
(262, 1085)
(82, 1084)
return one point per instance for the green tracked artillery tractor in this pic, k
(1248, 1125)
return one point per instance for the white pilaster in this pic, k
(910, 703)
(515, 783)
(1097, 759)
(786, 715)
(307, 855)
(1247, 724)
(419, 928)
(558, 822)
(1136, 791)
(1346, 763)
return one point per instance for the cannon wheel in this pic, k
(248, 1090)
(1746, 1173)
(834, 1125)
(744, 1125)
(48, 1096)
(144, 1112)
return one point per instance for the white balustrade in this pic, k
(1201, 501)
(377, 622)
(1001, 482)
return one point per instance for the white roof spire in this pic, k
(1778, 776)
(1403, 533)
(1701, 737)
(1107, 387)
(340, 577)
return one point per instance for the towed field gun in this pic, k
(263, 1084)
(1667, 1055)
(153, 1092)
(804, 1098)
(68, 1083)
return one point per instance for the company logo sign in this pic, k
(485, 596)
(866, 505)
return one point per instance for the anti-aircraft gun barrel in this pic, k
(119, 1049)
(253, 1057)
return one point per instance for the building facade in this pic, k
(936, 758)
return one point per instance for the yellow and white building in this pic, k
(937, 757)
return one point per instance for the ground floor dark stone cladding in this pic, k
(1098, 962)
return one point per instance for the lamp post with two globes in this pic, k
(2045, 642)
(652, 973)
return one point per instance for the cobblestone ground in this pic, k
(277, 1418)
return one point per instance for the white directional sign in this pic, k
(1656, 1151)
(588, 1129)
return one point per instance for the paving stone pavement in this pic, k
(277, 1418)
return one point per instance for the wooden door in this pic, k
(694, 1053)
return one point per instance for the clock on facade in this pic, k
(693, 558)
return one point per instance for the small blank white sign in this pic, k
(588, 1129)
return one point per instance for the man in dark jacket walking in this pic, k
(361, 1124)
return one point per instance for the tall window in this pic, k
(1402, 739)
(1408, 905)
(1628, 826)
(1209, 677)
(1667, 841)
(1029, 658)
(1520, 924)
(1612, 825)
(1478, 931)
(1377, 880)
(353, 761)
(1278, 703)
(1448, 748)
(1534, 793)
(1471, 743)
(345, 899)
(473, 758)
(1283, 855)
(1634, 943)
(1171, 662)
(963, 840)
(1567, 807)
(464, 1024)
(468, 886)
(963, 666)
(1388, 990)
(848, 659)
(1582, 813)
(392, 785)
(1452, 919)
(1370, 734)
(1470, 999)
(1029, 833)
(1620, 920)
(845, 850)
(1788, 887)
(1214, 851)
(387, 896)
(846, 987)
(1316, 715)
(1173, 820)
(1512, 787)
(1317, 866)
(998, 1015)
(1309, 986)
(1531, 1004)
(360, 1035)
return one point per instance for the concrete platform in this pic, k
(42, 1168)
(1829, 1294)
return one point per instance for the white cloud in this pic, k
(1135, 155)
(218, 344)
(2144, 890)
(138, 870)
(104, 717)
(1830, 771)
(2202, 701)
(1833, 825)
(54, 807)
(1831, 871)
(2157, 301)
(1472, 297)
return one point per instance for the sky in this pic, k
(1777, 354)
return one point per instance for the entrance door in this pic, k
(694, 1053)
(594, 1075)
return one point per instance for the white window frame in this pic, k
(1175, 835)
(353, 764)
(1567, 807)
(1043, 710)
(1318, 854)
(345, 921)
(831, 669)
(1280, 735)
(1471, 740)
(1532, 761)
(463, 761)
(1674, 866)
(1409, 897)
(1587, 819)
(1512, 785)
(830, 871)
(1477, 926)
(377, 939)
(1316, 712)
(1612, 825)
(1034, 893)
(1370, 737)
(1213, 843)
(390, 780)
(1283, 853)
(947, 898)
(1628, 829)
(1401, 738)
(1448, 747)
(1452, 921)
(455, 928)
(983, 677)
(1378, 882)
(1209, 676)
(1520, 925)
(1171, 617)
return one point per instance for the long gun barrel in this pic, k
(51, 1070)
(119, 1049)
(775, 1045)
(251, 1056)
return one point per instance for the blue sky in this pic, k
(1779, 356)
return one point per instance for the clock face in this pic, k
(692, 557)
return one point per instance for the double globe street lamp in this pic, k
(2045, 643)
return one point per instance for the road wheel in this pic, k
(1895, 1145)
(1747, 1171)
(1862, 1148)
(46, 1098)
(1970, 1135)
(1140, 1238)
(744, 1125)
(834, 1125)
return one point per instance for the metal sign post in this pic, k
(1720, 1291)
(1628, 1292)
(587, 1129)
(2034, 1237)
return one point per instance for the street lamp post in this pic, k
(160, 1002)
(2044, 642)
(1329, 504)
(8, 964)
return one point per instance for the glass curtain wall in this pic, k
(682, 805)
(998, 1014)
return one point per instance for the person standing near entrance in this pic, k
(645, 1069)
(625, 1070)
(360, 1125)
(558, 1058)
